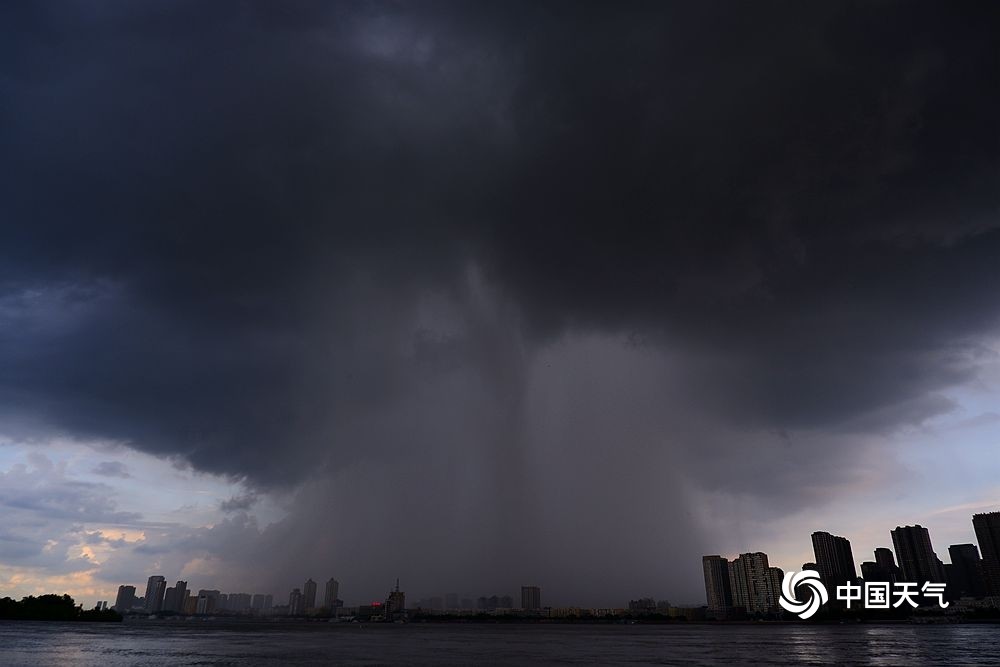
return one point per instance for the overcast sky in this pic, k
(483, 296)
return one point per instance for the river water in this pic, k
(229, 643)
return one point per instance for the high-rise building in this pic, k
(965, 575)
(987, 526)
(239, 603)
(296, 603)
(170, 599)
(261, 603)
(435, 603)
(752, 584)
(331, 594)
(775, 576)
(718, 590)
(395, 604)
(642, 606)
(182, 595)
(886, 562)
(309, 594)
(834, 560)
(204, 604)
(451, 601)
(156, 587)
(209, 601)
(871, 571)
(916, 556)
(175, 597)
(531, 598)
(125, 600)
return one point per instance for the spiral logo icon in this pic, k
(817, 593)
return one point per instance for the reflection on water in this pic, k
(202, 643)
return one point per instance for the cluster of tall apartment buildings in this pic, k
(531, 600)
(749, 586)
(303, 601)
(159, 599)
(177, 599)
(451, 604)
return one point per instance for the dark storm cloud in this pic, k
(271, 238)
(807, 194)
(206, 207)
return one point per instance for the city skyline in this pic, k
(178, 599)
(483, 296)
(747, 586)
(912, 557)
(786, 563)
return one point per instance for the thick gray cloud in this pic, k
(356, 247)
(238, 503)
(43, 509)
(111, 469)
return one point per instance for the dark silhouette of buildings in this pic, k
(178, 599)
(492, 603)
(642, 606)
(748, 583)
(870, 571)
(395, 604)
(916, 555)
(755, 586)
(883, 568)
(261, 603)
(156, 587)
(433, 603)
(965, 574)
(331, 594)
(531, 598)
(125, 600)
(309, 594)
(718, 587)
(887, 562)
(296, 603)
(987, 527)
(834, 560)
(175, 597)
(208, 601)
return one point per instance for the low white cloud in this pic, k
(70, 525)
